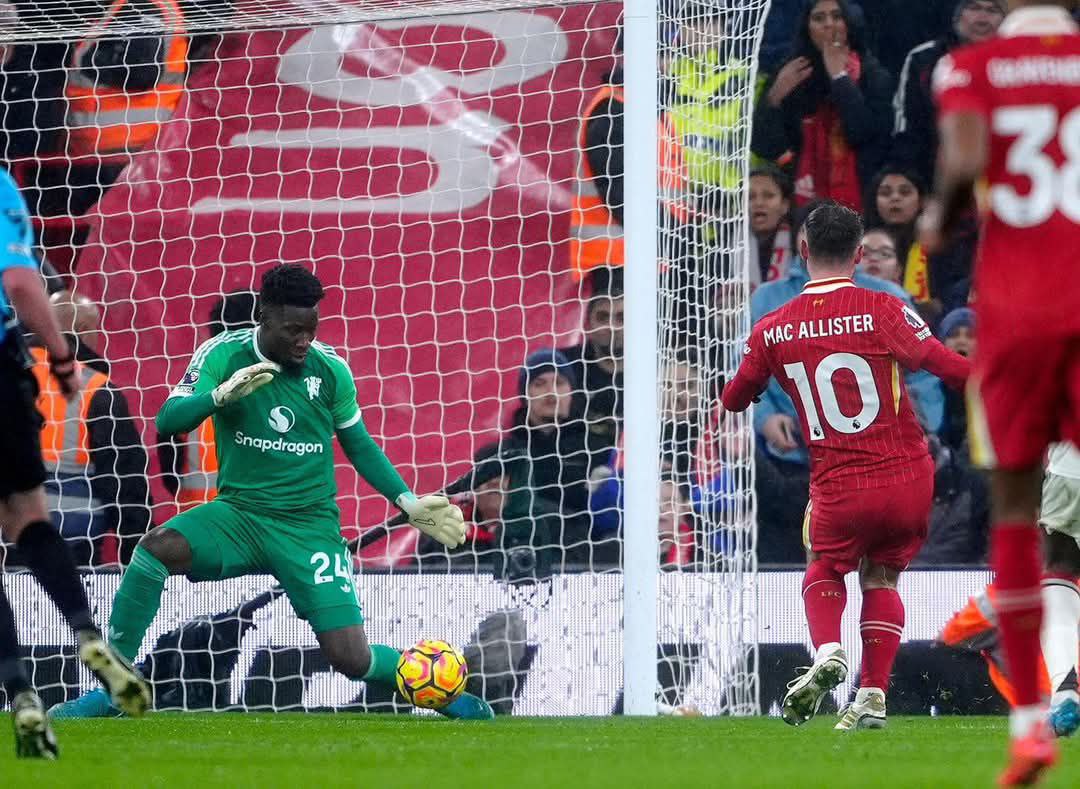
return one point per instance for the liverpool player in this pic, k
(1009, 112)
(837, 351)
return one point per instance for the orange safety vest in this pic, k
(65, 442)
(198, 482)
(103, 120)
(596, 239)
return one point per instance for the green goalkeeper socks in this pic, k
(383, 666)
(137, 602)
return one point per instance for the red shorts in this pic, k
(885, 525)
(1024, 394)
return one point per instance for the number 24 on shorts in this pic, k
(321, 561)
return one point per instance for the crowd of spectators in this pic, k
(842, 110)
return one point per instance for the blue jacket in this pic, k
(927, 397)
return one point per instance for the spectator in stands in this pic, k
(189, 462)
(915, 140)
(782, 462)
(951, 268)
(675, 529)
(705, 95)
(596, 218)
(895, 201)
(771, 192)
(706, 100)
(597, 361)
(960, 518)
(935, 284)
(895, 26)
(879, 256)
(511, 531)
(957, 332)
(80, 320)
(826, 112)
(555, 440)
(680, 407)
(31, 93)
(119, 90)
(93, 454)
(959, 521)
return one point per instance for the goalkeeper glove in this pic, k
(436, 517)
(243, 382)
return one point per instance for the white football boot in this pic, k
(866, 712)
(806, 692)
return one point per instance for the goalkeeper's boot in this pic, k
(468, 707)
(95, 704)
(34, 738)
(124, 684)
(1064, 717)
(808, 690)
(866, 712)
(1030, 757)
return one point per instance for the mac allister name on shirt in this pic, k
(823, 327)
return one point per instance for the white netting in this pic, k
(426, 163)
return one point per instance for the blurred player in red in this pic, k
(1009, 113)
(837, 351)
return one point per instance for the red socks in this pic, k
(824, 596)
(1017, 563)
(881, 625)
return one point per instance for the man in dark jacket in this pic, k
(116, 476)
(604, 145)
(915, 128)
(597, 361)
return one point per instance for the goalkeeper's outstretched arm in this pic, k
(433, 515)
(370, 461)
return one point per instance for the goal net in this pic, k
(454, 175)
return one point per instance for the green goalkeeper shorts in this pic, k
(304, 551)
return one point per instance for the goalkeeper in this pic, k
(277, 397)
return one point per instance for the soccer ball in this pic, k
(431, 674)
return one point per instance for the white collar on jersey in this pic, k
(1037, 20)
(827, 285)
(255, 345)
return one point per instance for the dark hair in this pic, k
(833, 233)
(804, 100)
(607, 284)
(236, 310)
(290, 285)
(873, 218)
(777, 176)
(802, 46)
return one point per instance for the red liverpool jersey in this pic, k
(837, 350)
(1026, 85)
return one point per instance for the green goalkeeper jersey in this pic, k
(275, 446)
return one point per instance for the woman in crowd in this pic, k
(827, 114)
(770, 222)
(894, 201)
(880, 258)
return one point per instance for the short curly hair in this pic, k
(290, 285)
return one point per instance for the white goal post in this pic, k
(425, 159)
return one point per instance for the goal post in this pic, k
(425, 160)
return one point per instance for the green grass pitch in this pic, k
(323, 750)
